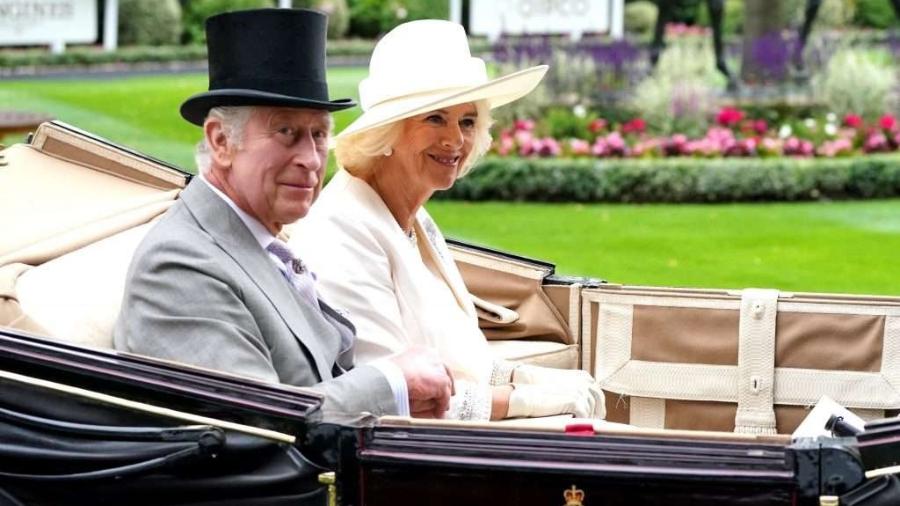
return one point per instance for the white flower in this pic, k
(809, 123)
(579, 111)
(401, 13)
(831, 129)
(831, 117)
(785, 131)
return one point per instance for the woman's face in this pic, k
(434, 145)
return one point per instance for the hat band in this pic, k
(312, 89)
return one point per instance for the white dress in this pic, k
(398, 292)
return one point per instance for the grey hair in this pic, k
(358, 153)
(233, 119)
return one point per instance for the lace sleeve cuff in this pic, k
(502, 372)
(471, 402)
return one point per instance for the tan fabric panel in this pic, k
(682, 344)
(829, 341)
(710, 336)
(559, 296)
(78, 206)
(685, 335)
(538, 316)
(617, 407)
(543, 353)
(11, 314)
(589, 339)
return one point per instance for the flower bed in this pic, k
(680, 179)
(733, 135)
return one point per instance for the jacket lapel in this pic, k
(226, 228)
(430, 253)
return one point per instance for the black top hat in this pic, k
(272, 57)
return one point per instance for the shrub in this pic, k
(857, 81)
(371, 18)
(680, 94)
(679, 180)
(149, 23)
(640, 17)
(196, 12)
(875, 14)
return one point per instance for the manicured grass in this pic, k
(849, 247)
(840, 247)
(140, 112)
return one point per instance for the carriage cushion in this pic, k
(543, 353)
(76, 297)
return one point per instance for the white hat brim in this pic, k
(497, 92)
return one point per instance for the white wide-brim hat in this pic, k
(426, 65)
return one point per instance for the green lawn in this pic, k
(838, 247)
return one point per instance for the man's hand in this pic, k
(428, 382)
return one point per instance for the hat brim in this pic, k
(195, 108)
(497, 92)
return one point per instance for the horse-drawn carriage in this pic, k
(710, 382)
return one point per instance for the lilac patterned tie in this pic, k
(295, 271)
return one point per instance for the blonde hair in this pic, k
(358, 153)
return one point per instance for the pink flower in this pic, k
(760, 126)
(840, 146)
(579, 147)
(524, 125)
(548, 146)
(645, 147)
(702, 147)
(615, 145)
(506, 144)
(887, 122)
(875, 143)
(523, 137)
(729, 116)
(797, 147)
(599, 147)
(675, 145)
(637, 125)
(853, 121)
(597, 125)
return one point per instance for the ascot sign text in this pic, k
(573, 17)
(25, 22)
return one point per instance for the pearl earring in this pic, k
(388, 151)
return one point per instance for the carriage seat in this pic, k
(75, 297)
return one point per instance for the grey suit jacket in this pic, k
(200, 290)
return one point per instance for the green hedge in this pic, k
(679, 180)
(136, 54)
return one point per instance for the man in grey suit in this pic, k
(212, 284)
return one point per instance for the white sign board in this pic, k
(519, 17)
(25, 22)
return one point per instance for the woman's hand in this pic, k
(548, 400)
(562, 379)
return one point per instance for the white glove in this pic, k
(548, 400)
(535, 375)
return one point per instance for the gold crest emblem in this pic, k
(573, 496)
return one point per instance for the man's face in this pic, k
(277, 172)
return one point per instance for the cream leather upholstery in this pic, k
(76, 297)
(543, 353)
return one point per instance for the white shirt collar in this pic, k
(259, 232)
